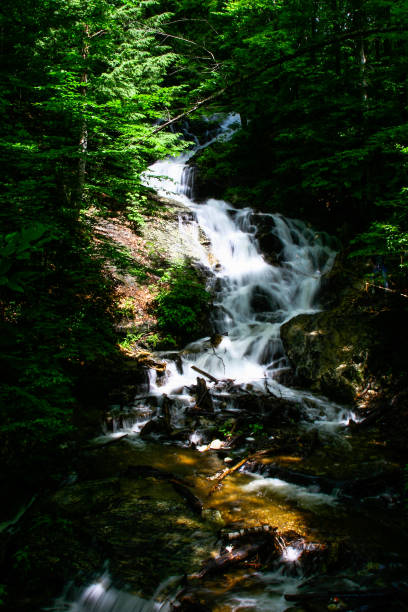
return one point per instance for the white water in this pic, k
(101, 596)
(253, 299)
(309, 498)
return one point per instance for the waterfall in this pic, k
(252, 300)
(252, 297)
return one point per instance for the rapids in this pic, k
(252, 299)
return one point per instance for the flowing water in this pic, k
(252, 299)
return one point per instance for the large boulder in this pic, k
(330, 352)
(356, 343)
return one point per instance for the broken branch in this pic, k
(209, 376)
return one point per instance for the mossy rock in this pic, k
(361, 338)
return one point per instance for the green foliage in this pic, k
(161, 341)
(135, 211)
(182, 303)
(16, 248)
(131, 339)
(149, 340)
(387, 239)
(227, 428)
(82, 85)
(3, 593)
(256, 429)
(22, 559)
(323, 134)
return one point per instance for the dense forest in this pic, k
(93, 92)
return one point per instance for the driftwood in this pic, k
(206, 374)
(227, 472)
(227, 559)
(248, 532)
(234, 468)
(203, 398)
(259, 542)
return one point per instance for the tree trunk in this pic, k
(83, 138)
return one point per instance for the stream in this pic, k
(292, 503)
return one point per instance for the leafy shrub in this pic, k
(182, 304)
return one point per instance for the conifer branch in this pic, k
(282, 59)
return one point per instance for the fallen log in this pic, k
(209, 376)
(228, 559)
(236, 467)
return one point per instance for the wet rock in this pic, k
(262, 301)
(338, 352)
(153, 428)
(147, 360)
(269, 244)
(275, 411)
(87, 498)
(216, 445)
(329, 352)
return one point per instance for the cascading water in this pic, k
(252, 299)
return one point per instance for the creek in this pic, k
(302, 487)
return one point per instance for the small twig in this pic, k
(187, 40)
(368, 284)
(188, 19)
(220, 358)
